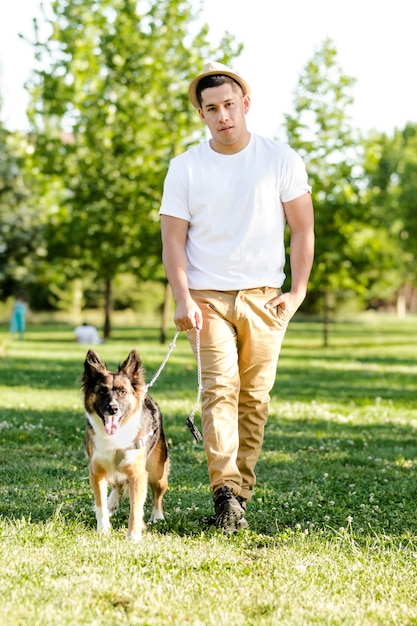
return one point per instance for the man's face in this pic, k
(223, 109)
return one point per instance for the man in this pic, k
(223, 214)
(87, 333)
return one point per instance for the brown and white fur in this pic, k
(125, 441)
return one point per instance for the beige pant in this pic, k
(239, 344)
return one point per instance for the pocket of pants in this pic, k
(282, 314)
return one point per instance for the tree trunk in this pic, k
(107, 308)
(166, 310)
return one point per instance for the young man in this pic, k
(223, 213)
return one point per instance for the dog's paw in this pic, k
(134, 537)
(103, 527)
(157, 515)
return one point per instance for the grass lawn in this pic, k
(333, 523)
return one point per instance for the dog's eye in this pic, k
(102, 391)
(121, 392)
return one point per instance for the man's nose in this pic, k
(223, 113)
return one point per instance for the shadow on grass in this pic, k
(364, 381)
(357, 380)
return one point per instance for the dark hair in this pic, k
(214, 80)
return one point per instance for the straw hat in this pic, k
(215, 68)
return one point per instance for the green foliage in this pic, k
(392, 172)
(109, 112)
(332, 522)
(79, 197)
(21, 232)
(351, 253)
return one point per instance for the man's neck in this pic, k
(234, 148)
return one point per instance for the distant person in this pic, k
(87, 333)
(18, 321)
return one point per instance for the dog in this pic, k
(124, 441)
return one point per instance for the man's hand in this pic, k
(288, 301)
(188, 315)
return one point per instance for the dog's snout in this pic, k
(112, 408)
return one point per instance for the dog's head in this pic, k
(112, 396)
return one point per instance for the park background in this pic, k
(332, 536)
(95, 106)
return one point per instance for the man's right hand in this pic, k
(188, 315)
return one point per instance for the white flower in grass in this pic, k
(349, 519)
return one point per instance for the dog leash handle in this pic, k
(194, 430)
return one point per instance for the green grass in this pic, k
(332, 536)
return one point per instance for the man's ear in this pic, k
(246, 103)
(201, 114)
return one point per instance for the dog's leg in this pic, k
(99, 484)
(158, 469)
(138, 484)
(113, 501)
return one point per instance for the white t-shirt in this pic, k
(87, 334)
(233, 204)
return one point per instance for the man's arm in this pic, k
(300, 219)
(174, 236)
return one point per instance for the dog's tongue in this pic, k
(111, 424)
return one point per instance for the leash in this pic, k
(161, 367)
(190, 419)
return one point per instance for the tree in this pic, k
(404, 182)
(391, 170)
(320, 131)
(108, 113)
(21, 229)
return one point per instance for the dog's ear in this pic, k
(132, 368)
(93, 366)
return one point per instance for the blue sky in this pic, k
(375, 40)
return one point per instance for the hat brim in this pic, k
(192, 90)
